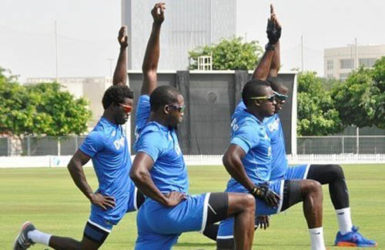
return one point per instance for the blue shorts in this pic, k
(297, 172)
(159, 227)
(226, 227)
(106, 219)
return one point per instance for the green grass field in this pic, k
(48, 198)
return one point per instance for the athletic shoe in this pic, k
(353, 239)
(22, 241)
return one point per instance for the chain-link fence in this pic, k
(317, 145)
(369, 144)
(42, 145)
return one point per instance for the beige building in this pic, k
(91, 88)
(339, 62)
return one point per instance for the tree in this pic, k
(67, 114)
(233, 54)
(360, 100)
(39, 109)
(316, 112)
(378, 74)
(353, 97)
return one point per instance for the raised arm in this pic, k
(140, 175)
(151, 57)
(120, 73)
(273, 31)
(276, 63)
(75, 167)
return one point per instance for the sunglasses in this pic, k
(267, 98)
(180, 109)
(127, 108)
(281, 97)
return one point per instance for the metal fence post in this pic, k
(29, 145)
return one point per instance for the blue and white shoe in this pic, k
(22, 241)
(353, 239)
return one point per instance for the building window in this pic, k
(329, 64)
(367, 62)
(347, 63)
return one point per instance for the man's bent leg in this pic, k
(242, 208)
(93, 238)
(334, 176)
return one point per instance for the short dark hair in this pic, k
(253, 88)
(163, 95)
(116, 94)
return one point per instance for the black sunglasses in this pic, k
(267, 98)
(281, 97)
(180, 109)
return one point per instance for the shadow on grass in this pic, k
(187, 244)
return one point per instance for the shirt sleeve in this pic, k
(143, 110)
(246, 137)
(151, 144)
(93, 143)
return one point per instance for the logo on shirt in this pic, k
(274, 125)
(234, 124)
(119, 143)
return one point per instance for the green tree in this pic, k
(378, 93)
(39, 109)
(360, 100)
(316, 112)
(233, 54)
(67, 114)
(353, 99)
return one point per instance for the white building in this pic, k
(188, 24)
(91, 88)
(339, 62)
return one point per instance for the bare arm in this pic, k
(75, 167)
(151, 57)
(120, 73)
(262, 70)
(276, 63)
(232, 160)
(140, 174)
(270, 62)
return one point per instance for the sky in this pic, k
(86, 32)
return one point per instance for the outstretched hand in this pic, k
(158, 12)
(274, 28)
(122, 37)
(103, 201)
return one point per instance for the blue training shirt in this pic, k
(275, 132)
(169, 172)
(143, 110)
(250, 134)
(108, 148)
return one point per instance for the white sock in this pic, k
(317, 238)
(344, 220)
(39, 237)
